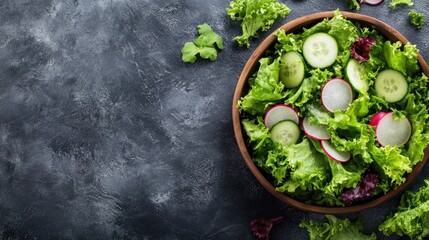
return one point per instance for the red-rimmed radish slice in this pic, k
(333, 153)
(393, 132)
(372, 2)
(278, 113)
(376, 118)
(318, 132)
(336, 95)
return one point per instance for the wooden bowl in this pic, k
(250, 67)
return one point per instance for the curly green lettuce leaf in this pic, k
(259, 137)
(205, 45)
(288, 42)
(403, 60)
(307, 166)
(336, 229)
(255, 15)
(348, 131)
(395, 3)
(344, 31)
(417, 113)
(353, 4)
(308, 89)
(412, 216)
(393, 163)
(417, 19)
(419, 87)
(265, 88)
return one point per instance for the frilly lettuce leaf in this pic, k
(412, 216)
(353, 4)
(255, 15)
(309, 88)
(395, 3)
(307, 166)
(403, 60)
(336, 229)
(265, 88)
(417, 19)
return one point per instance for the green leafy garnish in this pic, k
(205, 45)
(395, 3)
(353, 4)
(255, 15)
(336, 229)
(412, 216)
(417, 19)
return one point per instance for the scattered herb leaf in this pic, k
(204, 45)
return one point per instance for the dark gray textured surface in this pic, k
(106, 134)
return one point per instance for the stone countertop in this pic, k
(106, 134)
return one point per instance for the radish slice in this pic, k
(318, 132)
(337, 95)
(333, 153)
(373, 2)
(393, 132)
(280, 112)
(376, 118)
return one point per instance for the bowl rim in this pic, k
(297, 24)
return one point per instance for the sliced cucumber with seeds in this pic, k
(285, 132)
(391, 85)
(292, 69)
(320, 50)
(355, 74)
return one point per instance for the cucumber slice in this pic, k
(292, 69)
(320, 50)
(391, 85)
(285, 132)
(354, 72)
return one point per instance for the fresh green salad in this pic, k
(336, 114)
(412, 216)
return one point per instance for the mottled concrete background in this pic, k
(106, 134)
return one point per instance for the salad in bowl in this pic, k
(334, 114)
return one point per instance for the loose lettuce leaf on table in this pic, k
(353, 4)
(336, 229)
(395, 3)
(412, 216)
(417, 19)
(255, 15)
